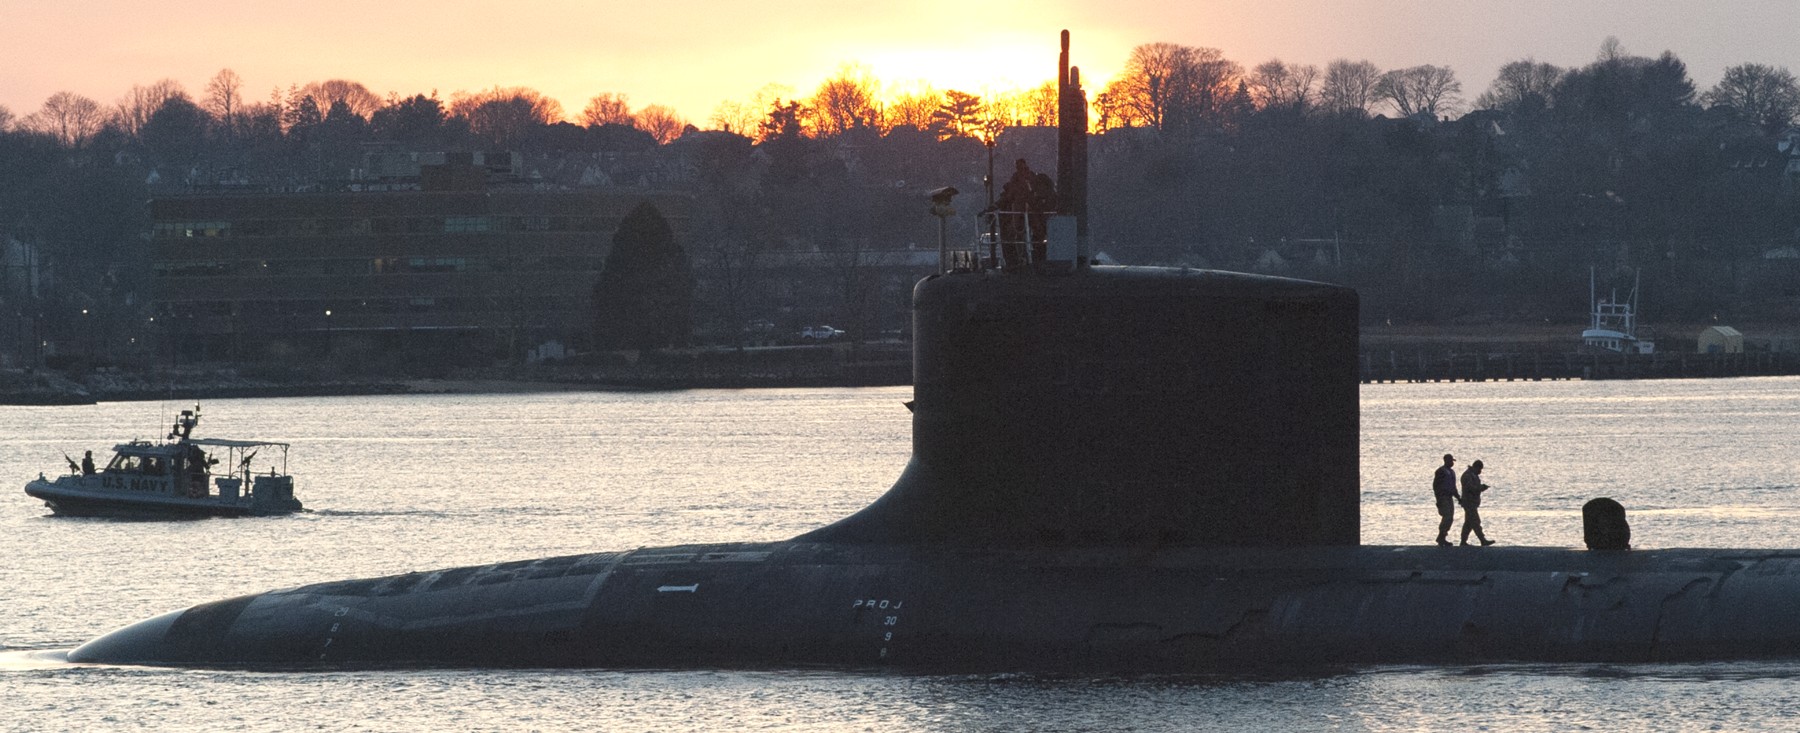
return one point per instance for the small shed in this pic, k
(1721, 340)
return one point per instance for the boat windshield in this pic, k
(146, 465)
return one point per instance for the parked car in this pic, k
(819, 333)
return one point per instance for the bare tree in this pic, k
(1423, 89)
(735, 277)
(1156, 79)
(1110, 110)
(1216, 84)
(135, 108)
(1520, 83)
(1349, 86)
(914, 107)
(1003, 110)
(661, 122)
(501, 114)
(734, 116)
(1171, 87)
(1277, 85)
(746, 117)
(354, 95)
(1611, 50)
(846, 101)
(6, 118)
(1039, 105)
(224, 96)
(606, 109)
(859, 271)
(69, 118)
(1763, 95)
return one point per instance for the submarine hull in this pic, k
(1114, 468)
(800, 604)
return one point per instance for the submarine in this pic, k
(1113, 469)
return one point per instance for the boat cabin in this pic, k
(187, 468)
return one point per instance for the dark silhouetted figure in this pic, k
(1603, 525)
(1471, 504)
(1043, 204)
(1014, 206)
(197, 464)
(1443, 486)
(87, 463)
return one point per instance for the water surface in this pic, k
(421, 482)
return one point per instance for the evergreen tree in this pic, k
(414, 119)
(644, 298)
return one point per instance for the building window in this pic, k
(191, 229)
(343, 227)
(436, 264)
(468, 224)
(202, 268)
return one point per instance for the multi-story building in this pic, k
(485, 271)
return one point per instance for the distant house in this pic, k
(1721, 340)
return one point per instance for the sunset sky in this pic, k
(693, 55)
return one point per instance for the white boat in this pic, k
(1613, 323)
(175, 478)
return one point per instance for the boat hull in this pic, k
(920, 608)
(81, 502)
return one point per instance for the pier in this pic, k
(1379, 366)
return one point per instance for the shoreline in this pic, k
(1388, 354)
(77, 395)
(484, 386)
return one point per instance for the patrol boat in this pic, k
(177, 477)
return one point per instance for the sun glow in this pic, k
(975, 71)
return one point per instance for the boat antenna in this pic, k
(1593, 305)
(1637, 278)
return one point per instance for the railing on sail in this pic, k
(1008, 240)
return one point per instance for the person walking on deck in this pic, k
(1471, 504)
(1443, 487)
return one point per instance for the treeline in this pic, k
(1441, 215)
(1437, 207)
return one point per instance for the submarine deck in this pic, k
(797, 604)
